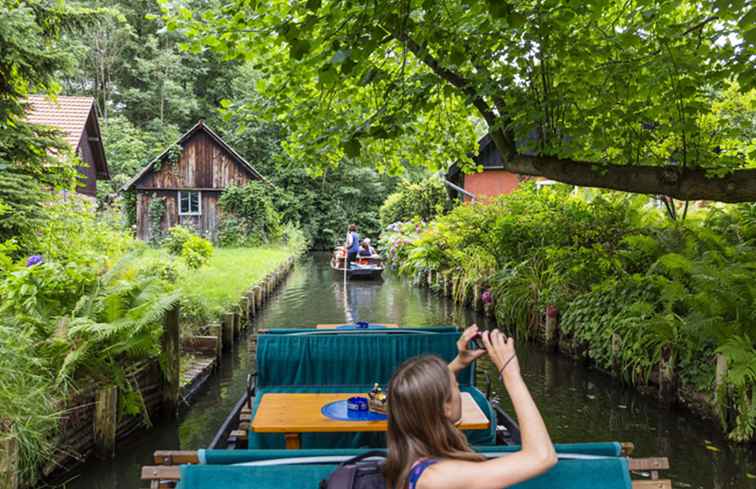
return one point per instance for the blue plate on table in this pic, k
(361, 326)
(338, 411)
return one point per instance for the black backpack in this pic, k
(358, 473)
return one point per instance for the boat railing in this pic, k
(166, 472)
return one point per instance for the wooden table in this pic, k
(292, 414)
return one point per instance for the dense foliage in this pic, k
(617, 270)
(424, 200)
(249, 217)
(605, 84)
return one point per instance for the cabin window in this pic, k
(190, 203)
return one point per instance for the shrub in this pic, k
(294, 238)
(423, 200)
(196, 251)
(177, 236)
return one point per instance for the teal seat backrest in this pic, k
(314, 358)
(606, 473)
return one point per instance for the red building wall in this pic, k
(490, 183)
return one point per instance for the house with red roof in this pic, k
(76, 118)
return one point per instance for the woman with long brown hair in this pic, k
(426, 450)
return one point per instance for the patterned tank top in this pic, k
(417, 470)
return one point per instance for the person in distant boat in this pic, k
(352, 245)
(366, 249)
(427, 451)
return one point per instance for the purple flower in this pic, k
(34, 260)
(486, 297)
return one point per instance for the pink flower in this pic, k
(486, 296)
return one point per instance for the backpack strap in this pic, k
(344, 475)
(361, 457)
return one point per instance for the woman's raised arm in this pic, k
(537, 454)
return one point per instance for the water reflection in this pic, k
(578, 404)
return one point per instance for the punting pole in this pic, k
(347, 312)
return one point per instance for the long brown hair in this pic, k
(417, 423)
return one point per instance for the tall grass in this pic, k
(27, 397)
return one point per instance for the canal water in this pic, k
(578, 403)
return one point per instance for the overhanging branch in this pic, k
(446, 74)
(682, 184)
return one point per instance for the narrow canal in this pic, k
(579, 404)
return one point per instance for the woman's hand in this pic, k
(465, 356)
(502, 352)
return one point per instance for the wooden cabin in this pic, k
(189, 178)
(76, 119)
(492, 181)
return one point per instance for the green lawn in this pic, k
(229, 273)
(211, 289)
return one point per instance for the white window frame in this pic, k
(199, 203)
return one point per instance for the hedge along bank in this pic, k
(651, 300)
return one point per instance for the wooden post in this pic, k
(550, 328)
(216, 330)
(246, 310)
(445, 285)
(228, 330)
(720, 373)
(616, 349)
(251, 304)
(430, 278)
(258, 297)
(476, 298)
(237, 323)
(9, 463)
(171, 355)
(106, 421)
(666, 373)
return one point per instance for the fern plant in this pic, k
(740, 380)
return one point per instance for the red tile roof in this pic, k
(69, 114)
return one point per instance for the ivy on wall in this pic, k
(156, 211)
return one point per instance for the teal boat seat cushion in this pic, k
(604, 473)
(357, 439)
(308, 358)
(221, 457)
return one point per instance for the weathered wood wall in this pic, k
(88, 171)
(206, 223)
(204, 166)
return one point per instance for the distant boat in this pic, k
(370, 267)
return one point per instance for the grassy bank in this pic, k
(207, 292)
(229, 273)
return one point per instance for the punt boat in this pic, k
(352, 359)
(367, 267)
